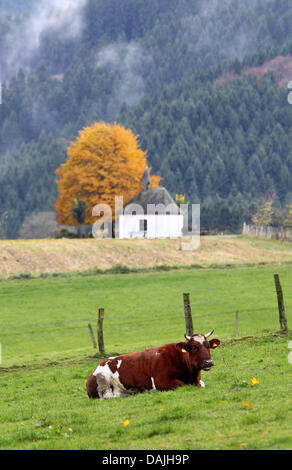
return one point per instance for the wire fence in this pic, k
(130, 318)
(238, 320)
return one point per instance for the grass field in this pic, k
(47, 356)
(39, 257)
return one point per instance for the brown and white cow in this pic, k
(164, 368)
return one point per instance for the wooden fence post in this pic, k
(100, 330)
(188, 315)
(282, 313)
(92, 335)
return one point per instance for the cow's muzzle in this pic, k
(208, 364)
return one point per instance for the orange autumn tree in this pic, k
(105, 161)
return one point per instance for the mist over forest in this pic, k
(152, 66)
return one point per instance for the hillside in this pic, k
(61, 256)
(226, 147)
(281, 66)
(151, 66)
(47, 355)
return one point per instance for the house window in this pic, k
(143, 225)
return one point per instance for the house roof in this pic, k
(156, 196)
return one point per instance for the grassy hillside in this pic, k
(46, 319)
(37, 257)
(47, 356)
(48, 408)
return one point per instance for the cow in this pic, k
(162, 368)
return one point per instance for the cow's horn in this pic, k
(187, 337)
(209, 334)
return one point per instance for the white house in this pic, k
(151, 214)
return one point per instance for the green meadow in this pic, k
(47, 355)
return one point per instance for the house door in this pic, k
(143, 226)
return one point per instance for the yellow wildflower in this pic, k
(254, 381)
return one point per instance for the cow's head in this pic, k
(199, 347)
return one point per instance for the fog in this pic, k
(23, 40)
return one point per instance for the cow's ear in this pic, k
(183, 347)
(214, 343)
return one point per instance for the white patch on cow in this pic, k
(157, 353)
(199, 338)
(110, 359)
(109, 384)
(119, 364)
(153, 384)
(202, 384)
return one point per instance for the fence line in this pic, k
(122, 316)
(277, 233)
(177, 312)
(136, 322)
